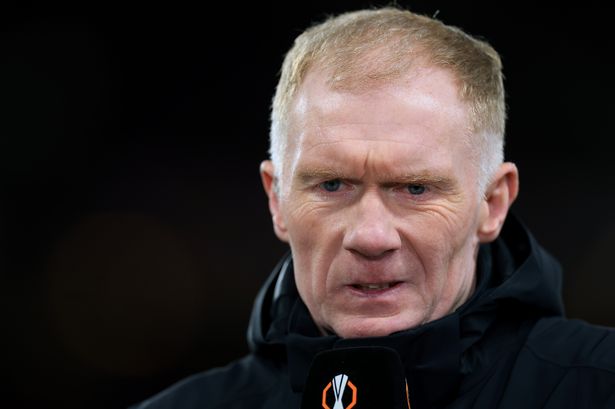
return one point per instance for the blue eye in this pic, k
(416, 189)
(331, 185)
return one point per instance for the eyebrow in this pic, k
(423, 177)
(308, 176)
(420, 178)
(440, 182)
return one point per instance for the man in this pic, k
(388, 182)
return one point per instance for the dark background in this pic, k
(134, 233)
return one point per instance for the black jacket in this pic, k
(508, 347)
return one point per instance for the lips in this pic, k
(375, 288)
(367, 287)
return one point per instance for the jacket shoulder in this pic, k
(242, 383)
(573, 343)
(564, 364)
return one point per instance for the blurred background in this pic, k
(133, 230)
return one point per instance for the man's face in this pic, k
(379, 203)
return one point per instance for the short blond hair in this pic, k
(346, 44)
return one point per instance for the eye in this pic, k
(416, 189)
(331, 185)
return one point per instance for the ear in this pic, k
(270, 183)
(500, 195)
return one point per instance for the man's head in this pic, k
(386, 171)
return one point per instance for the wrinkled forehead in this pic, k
(424, 96)
(419, 116)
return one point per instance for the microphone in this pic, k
(359, 377)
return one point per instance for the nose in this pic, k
(371, 230)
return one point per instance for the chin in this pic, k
(374, 327)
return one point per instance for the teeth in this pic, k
(374, 286)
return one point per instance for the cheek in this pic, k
(312, 224)
(456, 220)
(305, 234)
(441, 240)
(315, 241)
(437, 231)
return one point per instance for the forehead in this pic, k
(421, 111)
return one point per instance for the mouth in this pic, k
(375, 288)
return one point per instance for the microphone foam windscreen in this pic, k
(358, 377)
